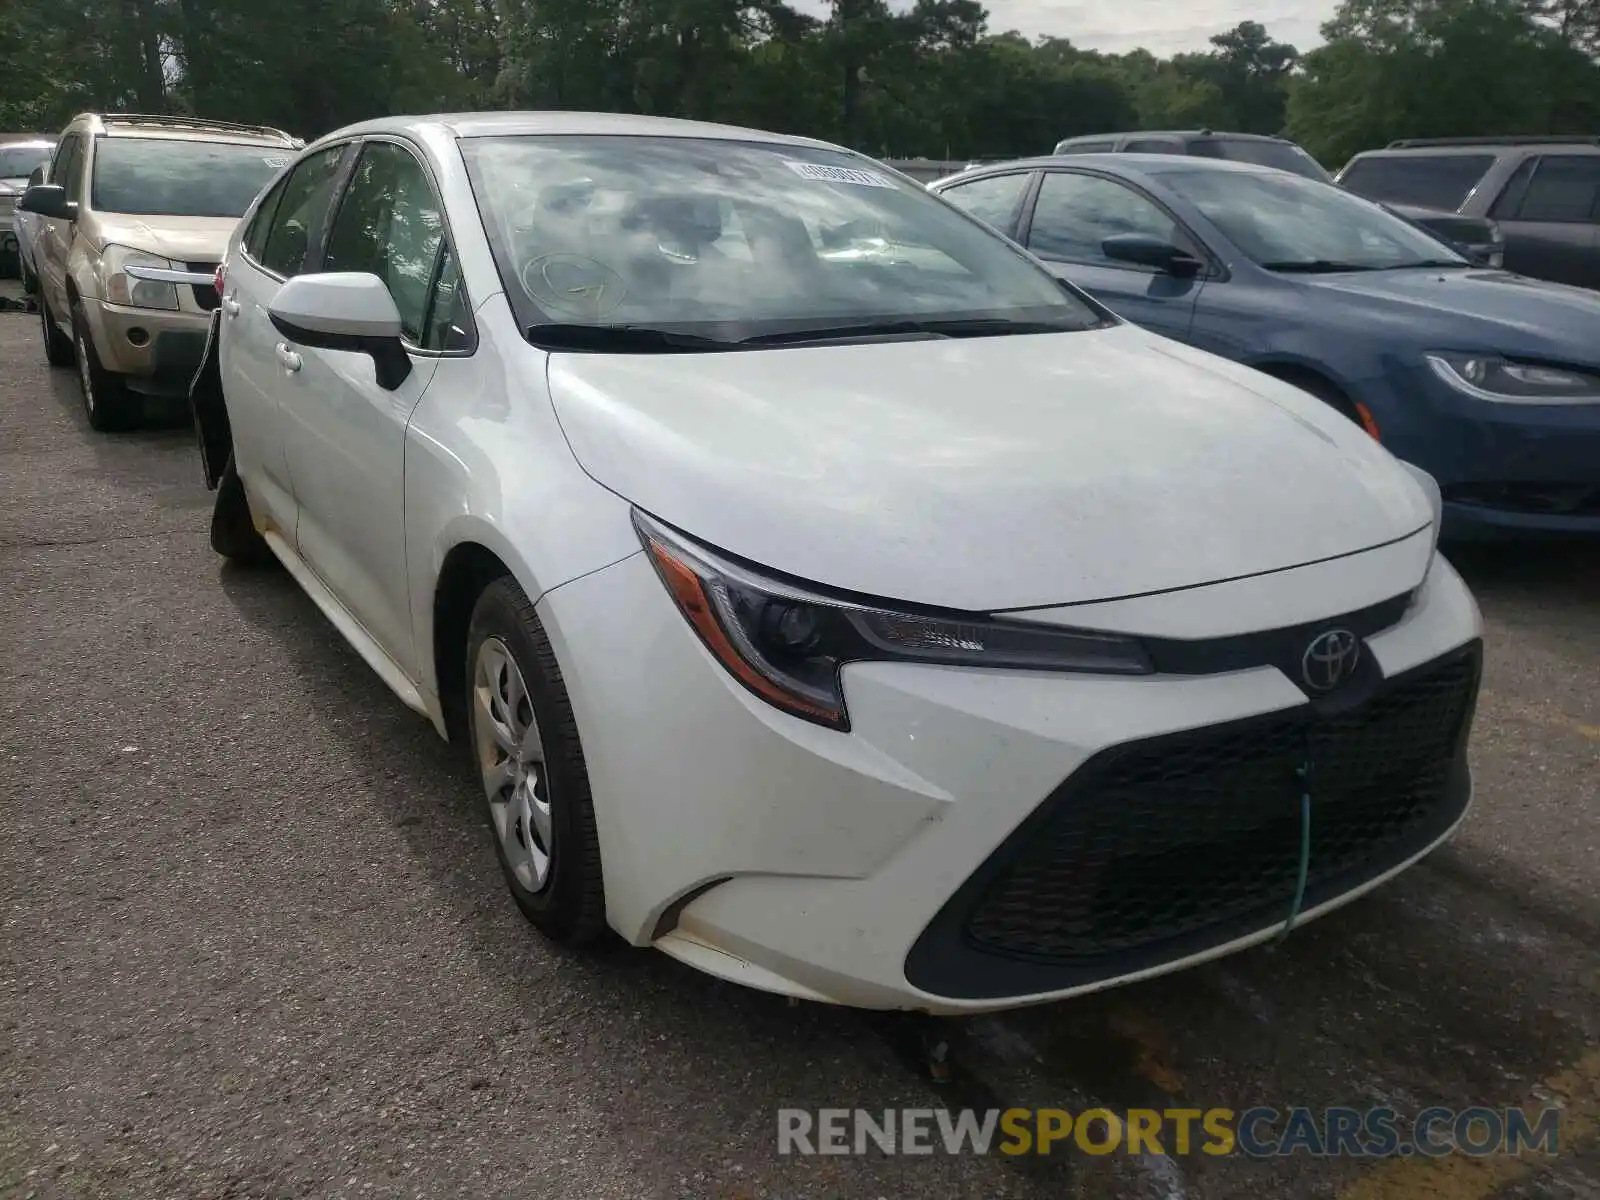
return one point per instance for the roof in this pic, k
(1211, 133)
(1119, 164)
(514, 124)
(177, 126)
(1409, 148)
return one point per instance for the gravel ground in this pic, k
(255, 944)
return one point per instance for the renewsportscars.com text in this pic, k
(1255, 1132)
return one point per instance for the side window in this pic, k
(303, 200)
(67, 169)
(1510, 198)
(390, 225)
(1099, 147)
(449, 323)
(1152, 146)
(993, 200)
(1075, 213)
(255, 237)
(1564, 188)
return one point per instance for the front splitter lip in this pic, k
(724, 964)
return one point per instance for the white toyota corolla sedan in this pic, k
(828, 596)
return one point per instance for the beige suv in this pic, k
(131, 229)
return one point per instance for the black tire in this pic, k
(106, 400)
(58, 350)
(10, 264)
(233, 532)
(570, 907)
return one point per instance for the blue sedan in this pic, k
(1488, 380)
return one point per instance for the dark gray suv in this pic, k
(1543, 193)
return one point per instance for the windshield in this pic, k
(1284, 156)
(1280, 219)
(181, 178)
(737, 240)
(18, 162)
(1439, 181)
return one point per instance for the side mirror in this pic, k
(48, 200)
(344, 310)
(1145, 250)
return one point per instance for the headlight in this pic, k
(786, 643)
(117, 287)
(1489, 377)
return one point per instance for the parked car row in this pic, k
(21, 157)
(1487, 379)
(886, 596)
(1476, 237)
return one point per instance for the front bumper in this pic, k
(843, 866)
(1504, 469)
(156, 350)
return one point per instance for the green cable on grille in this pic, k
(1304, 772)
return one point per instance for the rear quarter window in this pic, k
(1440, 181)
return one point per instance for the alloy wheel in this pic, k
(85, 375)
(511, 761)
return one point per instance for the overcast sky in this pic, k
(1161, 26)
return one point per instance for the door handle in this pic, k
(230, 306)
(287, 358)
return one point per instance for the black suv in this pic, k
(1543, 193)
(1475, 237)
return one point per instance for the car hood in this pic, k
(986, 473)
(1544, 313)
(182, 239)
(14, 185)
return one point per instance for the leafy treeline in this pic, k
(933, 80)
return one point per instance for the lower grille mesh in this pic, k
(1165, 839)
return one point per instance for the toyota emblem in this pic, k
(1330, 659)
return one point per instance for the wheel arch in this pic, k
(1322, 384)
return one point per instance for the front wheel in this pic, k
(58, 350)
(106, 399)
(525, 746)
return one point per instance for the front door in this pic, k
(1075, 212)
(344, 433)
(53, 234)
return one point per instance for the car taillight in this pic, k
(221, 277)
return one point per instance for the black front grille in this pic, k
(1546, 499)
(205, 294)
(1157, 850)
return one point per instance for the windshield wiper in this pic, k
(1427, 262)
(623, 339)
(1314, 266)
(960, 327)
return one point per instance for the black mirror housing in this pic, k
(48, 200)
(390, 361)
(1144, 250)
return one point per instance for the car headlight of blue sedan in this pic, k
(1490, 377)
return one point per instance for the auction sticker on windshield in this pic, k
(826, 174)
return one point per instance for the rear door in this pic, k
(279, 243)
(1547, 213)
(1070, 217)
